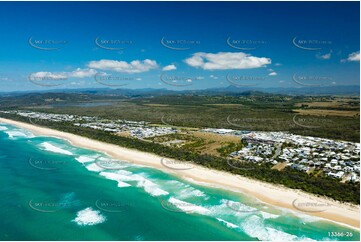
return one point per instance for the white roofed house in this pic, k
(256, 159)
(337, 168)
(340, 174)
(347, 169)
(354, 177)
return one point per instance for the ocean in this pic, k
(51, 190)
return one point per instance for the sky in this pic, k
(178, 45)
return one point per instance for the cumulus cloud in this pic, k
(44, 75)
(81, 73)
(273, 73)
(135, 66)
(78, 73)
(355, 56)
(226, 61)
(325, 56)
(169, 68)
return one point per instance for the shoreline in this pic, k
(275, 195)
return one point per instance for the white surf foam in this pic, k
(238, 207)
(86, 158)
(278, 235)
(126, 176)
(49, 147)
(228, 224)
(114, 177)
(124, 172)
(191, 192)
(111, 164)
(18, 134)
(2, 128)
(254, 226)
(266, 215)
(188, 207)
(123, 184)
(89, 216)
(304, 217)
(123, 176)
(149, 186)
(94, 167)
(185, 190)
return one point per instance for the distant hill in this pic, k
(230, 90)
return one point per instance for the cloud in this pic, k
(355, 56)
(81, 73)
(44, 75)
(78, 73)
(135, 66)
(169, 68)
(273, 73)
(278, 64)
(325, 56)
(226, 61)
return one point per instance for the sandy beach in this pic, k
(298, 201)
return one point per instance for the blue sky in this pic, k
(174, 45)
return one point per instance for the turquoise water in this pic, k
(51, 190)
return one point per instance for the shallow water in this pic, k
(52, 190)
